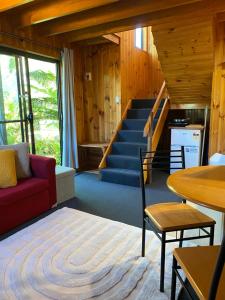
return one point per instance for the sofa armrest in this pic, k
(44, 167)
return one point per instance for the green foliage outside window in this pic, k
(45, 111)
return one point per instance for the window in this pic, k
(139, 38)
(29, 103)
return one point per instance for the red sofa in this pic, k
(31, 197)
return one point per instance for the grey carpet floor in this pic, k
(118, 202)
(113, 201)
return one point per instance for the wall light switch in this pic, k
(117, 99)
(88, 76)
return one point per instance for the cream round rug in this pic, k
(74, 255)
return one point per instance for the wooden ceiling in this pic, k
(183, 51)
(75, 20)
(70, 21)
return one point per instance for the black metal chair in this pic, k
(172, 216)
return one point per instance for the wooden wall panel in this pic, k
(185, 49)
(29, 41)
(79, 94)
(96, 108)
(141, 75)
(156, 74)
(118, 71)
(217, 127)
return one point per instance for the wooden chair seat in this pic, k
(176, 216)
(198, 264)
(172, 216)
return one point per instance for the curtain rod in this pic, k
(40, 44)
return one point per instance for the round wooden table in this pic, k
(204, 186)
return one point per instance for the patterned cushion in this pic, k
(7, 168)
(22, 159)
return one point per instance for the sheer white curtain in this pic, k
(69, 135)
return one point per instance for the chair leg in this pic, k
(182, 231)
(211, 240)
(217, 271)
(173, 281)
(162, 271)
(143, 238)
(181, 238)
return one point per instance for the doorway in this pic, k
(29, 106)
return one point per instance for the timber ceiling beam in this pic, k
(92, 42)
(108, 13)
(112, 38)
(48, 10)
(149, 19)
(9, 4)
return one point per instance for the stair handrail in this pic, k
(153, 138)
(119, 127)
(149, 123)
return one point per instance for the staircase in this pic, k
(120, 163)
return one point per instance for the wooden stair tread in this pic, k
(198, 264)
(176, 216)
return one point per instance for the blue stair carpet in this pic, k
(123, 166)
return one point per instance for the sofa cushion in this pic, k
(22, 159)
(7, 168)
(25, 188)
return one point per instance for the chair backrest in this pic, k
(159, 160)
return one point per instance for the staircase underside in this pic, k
(185, 50)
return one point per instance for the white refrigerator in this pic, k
(191, 139)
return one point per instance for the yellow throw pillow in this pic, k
(7, 168)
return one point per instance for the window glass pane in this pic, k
(9, 105)
(9, 101)
(45, 108)
(139, 38)
(13, 133)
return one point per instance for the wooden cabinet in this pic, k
(90, 155)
